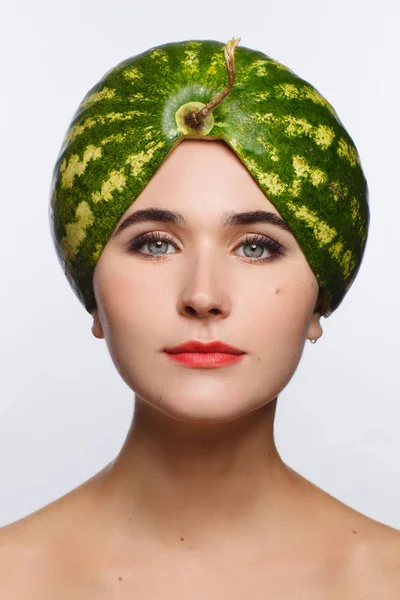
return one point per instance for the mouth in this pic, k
(205, 360)
(197, 347)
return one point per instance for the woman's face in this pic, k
(206, 283)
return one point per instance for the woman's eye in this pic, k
(155, 241)
(254, 246)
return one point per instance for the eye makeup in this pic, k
(253, 240)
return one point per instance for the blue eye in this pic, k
(262, 241)
(253, 241)
(149, 238)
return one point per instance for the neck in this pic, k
(189, 481)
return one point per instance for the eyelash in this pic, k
(258, 239)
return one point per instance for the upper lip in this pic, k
(195, 346)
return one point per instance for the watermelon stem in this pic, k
(195, 119)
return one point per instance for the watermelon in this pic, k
(283, 130)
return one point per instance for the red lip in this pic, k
(195, 346)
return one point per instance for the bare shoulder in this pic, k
(38, 551)
(28, 555)
(376, 561)
(364, 555)
(386, 550)
(19, 560)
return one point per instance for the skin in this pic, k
(198, 503)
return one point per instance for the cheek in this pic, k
(131, 303)
(283, 307)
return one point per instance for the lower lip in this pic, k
(205, 360)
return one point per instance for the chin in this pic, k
(208, 403)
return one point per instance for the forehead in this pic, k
(202, 177)
(202, 185)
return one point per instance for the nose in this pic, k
(204, 291)
(202, 305)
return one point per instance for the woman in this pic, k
(198, 503)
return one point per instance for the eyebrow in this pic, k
(230, 219)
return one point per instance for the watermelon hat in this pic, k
(283, 130)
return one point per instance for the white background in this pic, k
(64, 410)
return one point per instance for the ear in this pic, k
(314, 329)
(97, 328)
